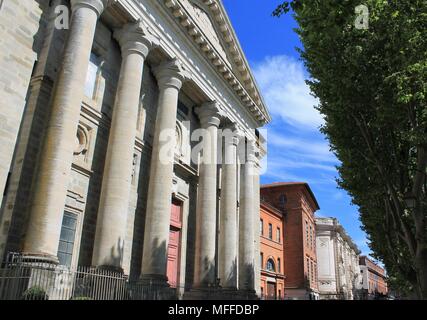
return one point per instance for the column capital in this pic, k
(250, 151)
(238, 134)
(171, 73)
(209, 114)
(96, 5)
(137, 38)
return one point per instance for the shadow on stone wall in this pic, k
(140, 214)
(100, 142)
(32, 130)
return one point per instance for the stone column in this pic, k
(204, 267)
(246, 223)
(170, 76)
(44, 226)
(256, 228)
(110, 236)
(228, 219)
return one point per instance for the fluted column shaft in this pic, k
(170, 77)
(47, 207)
(246, 224)
(204, 268)
(228, 219)
(116, 183)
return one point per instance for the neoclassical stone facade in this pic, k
(337, 261)
(99, 165)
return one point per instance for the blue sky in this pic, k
(297, 151)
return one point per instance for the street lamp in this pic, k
(410, 200)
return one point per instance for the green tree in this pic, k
(372, 86)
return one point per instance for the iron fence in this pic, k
(22, 280)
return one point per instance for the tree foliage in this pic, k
(372, 88)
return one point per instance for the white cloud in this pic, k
(306, 148)
(282, 82)
(294, 143)
(338, 195)
(297, 151)
(280, 169)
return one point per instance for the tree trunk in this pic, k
(421, 266)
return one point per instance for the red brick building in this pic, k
(271, 252)
(374, 279)
(298, 204)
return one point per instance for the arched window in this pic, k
(270, 265)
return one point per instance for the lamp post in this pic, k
(410, 200)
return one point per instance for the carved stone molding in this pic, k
(199, 26)
(204, 21)
(171, 73)
(136, 37)
(82, 141)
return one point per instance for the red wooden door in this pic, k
(271, 291)
(174, 246)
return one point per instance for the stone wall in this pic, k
(19, 29)
(22, 33)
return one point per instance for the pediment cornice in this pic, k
(219, 44)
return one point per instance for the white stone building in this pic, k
(337, 261)
(86, 114)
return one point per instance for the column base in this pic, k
(155, 287)
(218, 293)
(248, 295)
(203, 293)
(154, 280)
(115, 269)
(38, 258)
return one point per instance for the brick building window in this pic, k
(314, 238)
(278, 234)
(306, 233)
(270, 231)
(282, 202)
(315, 272)
(312, 271)
(67, 238)
(311, 237)
(261, 256)
(279, 268)
(261, 226)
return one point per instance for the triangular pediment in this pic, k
(207, 23)
(199, 13)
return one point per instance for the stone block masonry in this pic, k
(19, 29)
